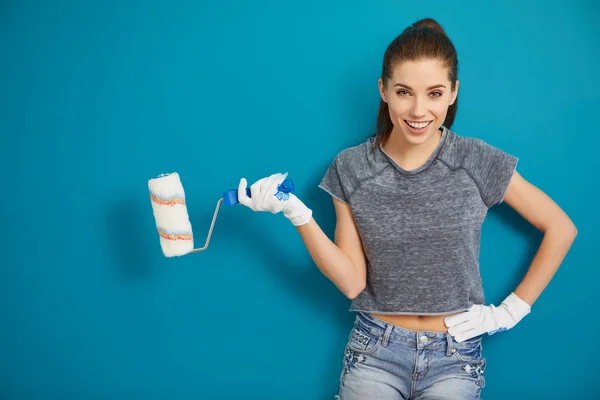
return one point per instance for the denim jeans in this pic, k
(383, 361)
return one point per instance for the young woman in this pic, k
(410, 202)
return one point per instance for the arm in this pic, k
(559, 233)
(343, 262)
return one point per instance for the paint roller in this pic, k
(171, 216)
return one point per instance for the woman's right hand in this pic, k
(266, 196)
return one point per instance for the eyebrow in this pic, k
(429, 88)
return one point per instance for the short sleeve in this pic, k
(332, 181)
(492, 169)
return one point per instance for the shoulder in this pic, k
(361, 160)
(350, 167)
(359, 151)
(466, 151)
(490, 167)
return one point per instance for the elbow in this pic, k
(573, 232)
(567, 230)
(356, 290)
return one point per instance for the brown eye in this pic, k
(402, 92)
(436, 94)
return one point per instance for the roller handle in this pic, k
(230, 197)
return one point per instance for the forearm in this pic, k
(333, 262)
(555, 244)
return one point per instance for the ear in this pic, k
(381, 90)
(455, 92)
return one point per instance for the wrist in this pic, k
(296, 211)
(516, 307)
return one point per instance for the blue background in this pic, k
(98, 97)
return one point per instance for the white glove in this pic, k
(480, 319)
(266, 196)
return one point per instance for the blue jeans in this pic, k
(383, 361)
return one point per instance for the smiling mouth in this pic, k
(418, 125)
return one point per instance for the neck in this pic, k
(408, 155)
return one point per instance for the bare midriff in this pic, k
(431, 323)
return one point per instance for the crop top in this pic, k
(420, 229)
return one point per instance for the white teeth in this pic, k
(418, 125)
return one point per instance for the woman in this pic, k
(410, 202)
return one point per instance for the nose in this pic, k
(418, 109)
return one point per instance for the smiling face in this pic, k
(418, 96)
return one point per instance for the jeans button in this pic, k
(424, 339)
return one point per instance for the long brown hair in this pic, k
(423, 39)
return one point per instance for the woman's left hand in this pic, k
(480, 319)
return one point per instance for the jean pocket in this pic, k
(469, 353)
(362, 340)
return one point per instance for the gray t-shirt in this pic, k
(420, 229)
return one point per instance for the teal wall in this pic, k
(98, 97)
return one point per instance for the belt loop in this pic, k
(449, 348)
(386, 335)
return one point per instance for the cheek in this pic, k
(439, 108)
(398, 108)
